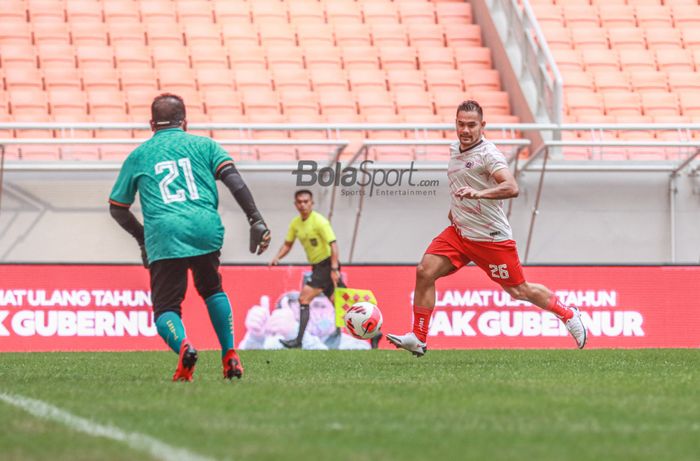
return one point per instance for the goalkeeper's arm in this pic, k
(127, 220)
(259, 233)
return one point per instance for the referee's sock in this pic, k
(171, 329)
(303, 321)
(221, 318)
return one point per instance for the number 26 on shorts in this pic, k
(499, 271)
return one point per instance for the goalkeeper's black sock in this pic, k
(303, 321)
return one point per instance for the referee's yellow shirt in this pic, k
(315, 234)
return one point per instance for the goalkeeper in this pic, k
(175, 175)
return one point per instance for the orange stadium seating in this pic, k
(262, 60)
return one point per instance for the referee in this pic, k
(318, 239)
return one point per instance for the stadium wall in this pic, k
(584, 218)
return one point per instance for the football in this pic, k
(363, 320)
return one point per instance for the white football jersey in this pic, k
(481, 220)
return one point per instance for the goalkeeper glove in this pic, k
(259, 235)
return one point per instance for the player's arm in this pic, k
(128, 221)
(259, 233)
(506, 187)
(335, 265)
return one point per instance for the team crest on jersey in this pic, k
(313, 242)
(469, 164)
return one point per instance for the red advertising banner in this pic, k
(91, 308)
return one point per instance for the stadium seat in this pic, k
(157, 11)
(397, 57)
(51, 33)
(116, 11)
(208, 57)
(17, 33)
(101, 78)
(359, 57)
(415, 12)
(317, 57)
(18, 55)
(406, 80)
(246, 57)
(184, 80)
(305, 12)
(310, 34)
(376, 104)
(342, 12)
(425, 35)
(435, 58)
(596, 60)
(170, 57)
(589, 37)
(212, 79)
(22, 78)
(62, 78)
(473, 58)
(328, 79)
(584, 103)
(481, 79)
(674, 60)
(56, 55)
(447, 100)
(380, 12)
(414, 102)
(164, 34)
(577, 81)
(285, 57)
(46, 10)
(261, 103)
(276, 34)
(580, 16)
(558, 37)
(93, 56)
(27, 102)
(194, 12)
(337, 104)
(108, 103)
(348, 35)
(660, 103)
(89, 34)
(361, 80)
(653, 16)
(494, 102)
(684, 81)
(126, 34)
(686, 16)
(194, 106)
(13, 11)
(290, 79)
(549, 15)
(690, 103)
(250, 80)
(223, 105)
(268, 11)
(450, 13)
(568, 60)
(139, 78)
(300, 106)
(691, 38)
(132, 56)
(620, 103)
(389, 35)
(653, 81)
(243, 35)
(666, 37)
(636, 60)
(613, 16)
(459, 35)
(444, 79)
(228, 12)
(83, 11)
(626, 37)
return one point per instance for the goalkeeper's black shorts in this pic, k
(169, 280)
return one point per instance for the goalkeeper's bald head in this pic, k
(168, 111)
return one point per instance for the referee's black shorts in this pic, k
(321, 277)
(169, 280)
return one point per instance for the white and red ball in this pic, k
(363, 320)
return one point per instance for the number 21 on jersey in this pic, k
(171, 167)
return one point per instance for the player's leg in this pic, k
(431, 268)
(500, 261)
(207, 280)
(308, 293)
(544, 298)
(168, 287)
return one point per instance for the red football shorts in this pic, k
(499, 260)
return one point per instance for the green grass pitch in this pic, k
(371, 405)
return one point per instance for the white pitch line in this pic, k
(140, 442)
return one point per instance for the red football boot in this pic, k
(186, 362)
(233, 368)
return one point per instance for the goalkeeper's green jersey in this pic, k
(175, 175)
